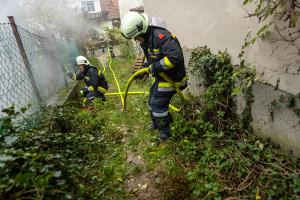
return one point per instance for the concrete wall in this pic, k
(284, 129)
(221, 25)
(125, 5)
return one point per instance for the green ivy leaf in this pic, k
(236, 91)
(23, 110)
(262, 30)
(246, 1)
(261, 146)
(256, 157)
(10, 111)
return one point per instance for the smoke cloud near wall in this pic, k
(57, 24)
(45, 16)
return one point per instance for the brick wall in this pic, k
(112, 7)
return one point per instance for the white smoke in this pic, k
(52, 16)
(45, 16)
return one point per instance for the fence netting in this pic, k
(47, 59)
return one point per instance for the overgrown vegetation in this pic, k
(231, 163)
(75, 154)
(212, 146)
(67, 158)
(127, 49)
(212, 154)
(95, 62)
(126, 46)
(115, 36)
(222, 83)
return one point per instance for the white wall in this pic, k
(10, 8)
(221, 24)
(125, 5)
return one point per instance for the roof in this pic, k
(111, 7)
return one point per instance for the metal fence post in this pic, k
(25, 58)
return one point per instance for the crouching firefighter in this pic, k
(96, 84)
(165, 61)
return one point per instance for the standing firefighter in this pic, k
(96, 84)
(164, 58)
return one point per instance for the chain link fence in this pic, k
(46, 64)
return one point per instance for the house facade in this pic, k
(102, 14)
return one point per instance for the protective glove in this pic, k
(83, 92)
(141, 76)
(69, 75)
(152, 70)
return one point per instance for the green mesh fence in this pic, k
(47, 59)
(68, 52)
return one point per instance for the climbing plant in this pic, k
(279, 24)
(279, 21)
(212, 147)
(284, 101)
(68, 157)
(285, 10)
(222, 82)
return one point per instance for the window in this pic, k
(88, 6)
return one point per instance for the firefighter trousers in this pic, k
(159, 109)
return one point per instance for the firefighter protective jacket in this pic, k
(93, 79)
(163, 52)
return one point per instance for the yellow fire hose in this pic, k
(115, 77)
(143, 71)
(126, 93)
(167, 78)
(118, 93)
(174, 108)
(102, 63)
